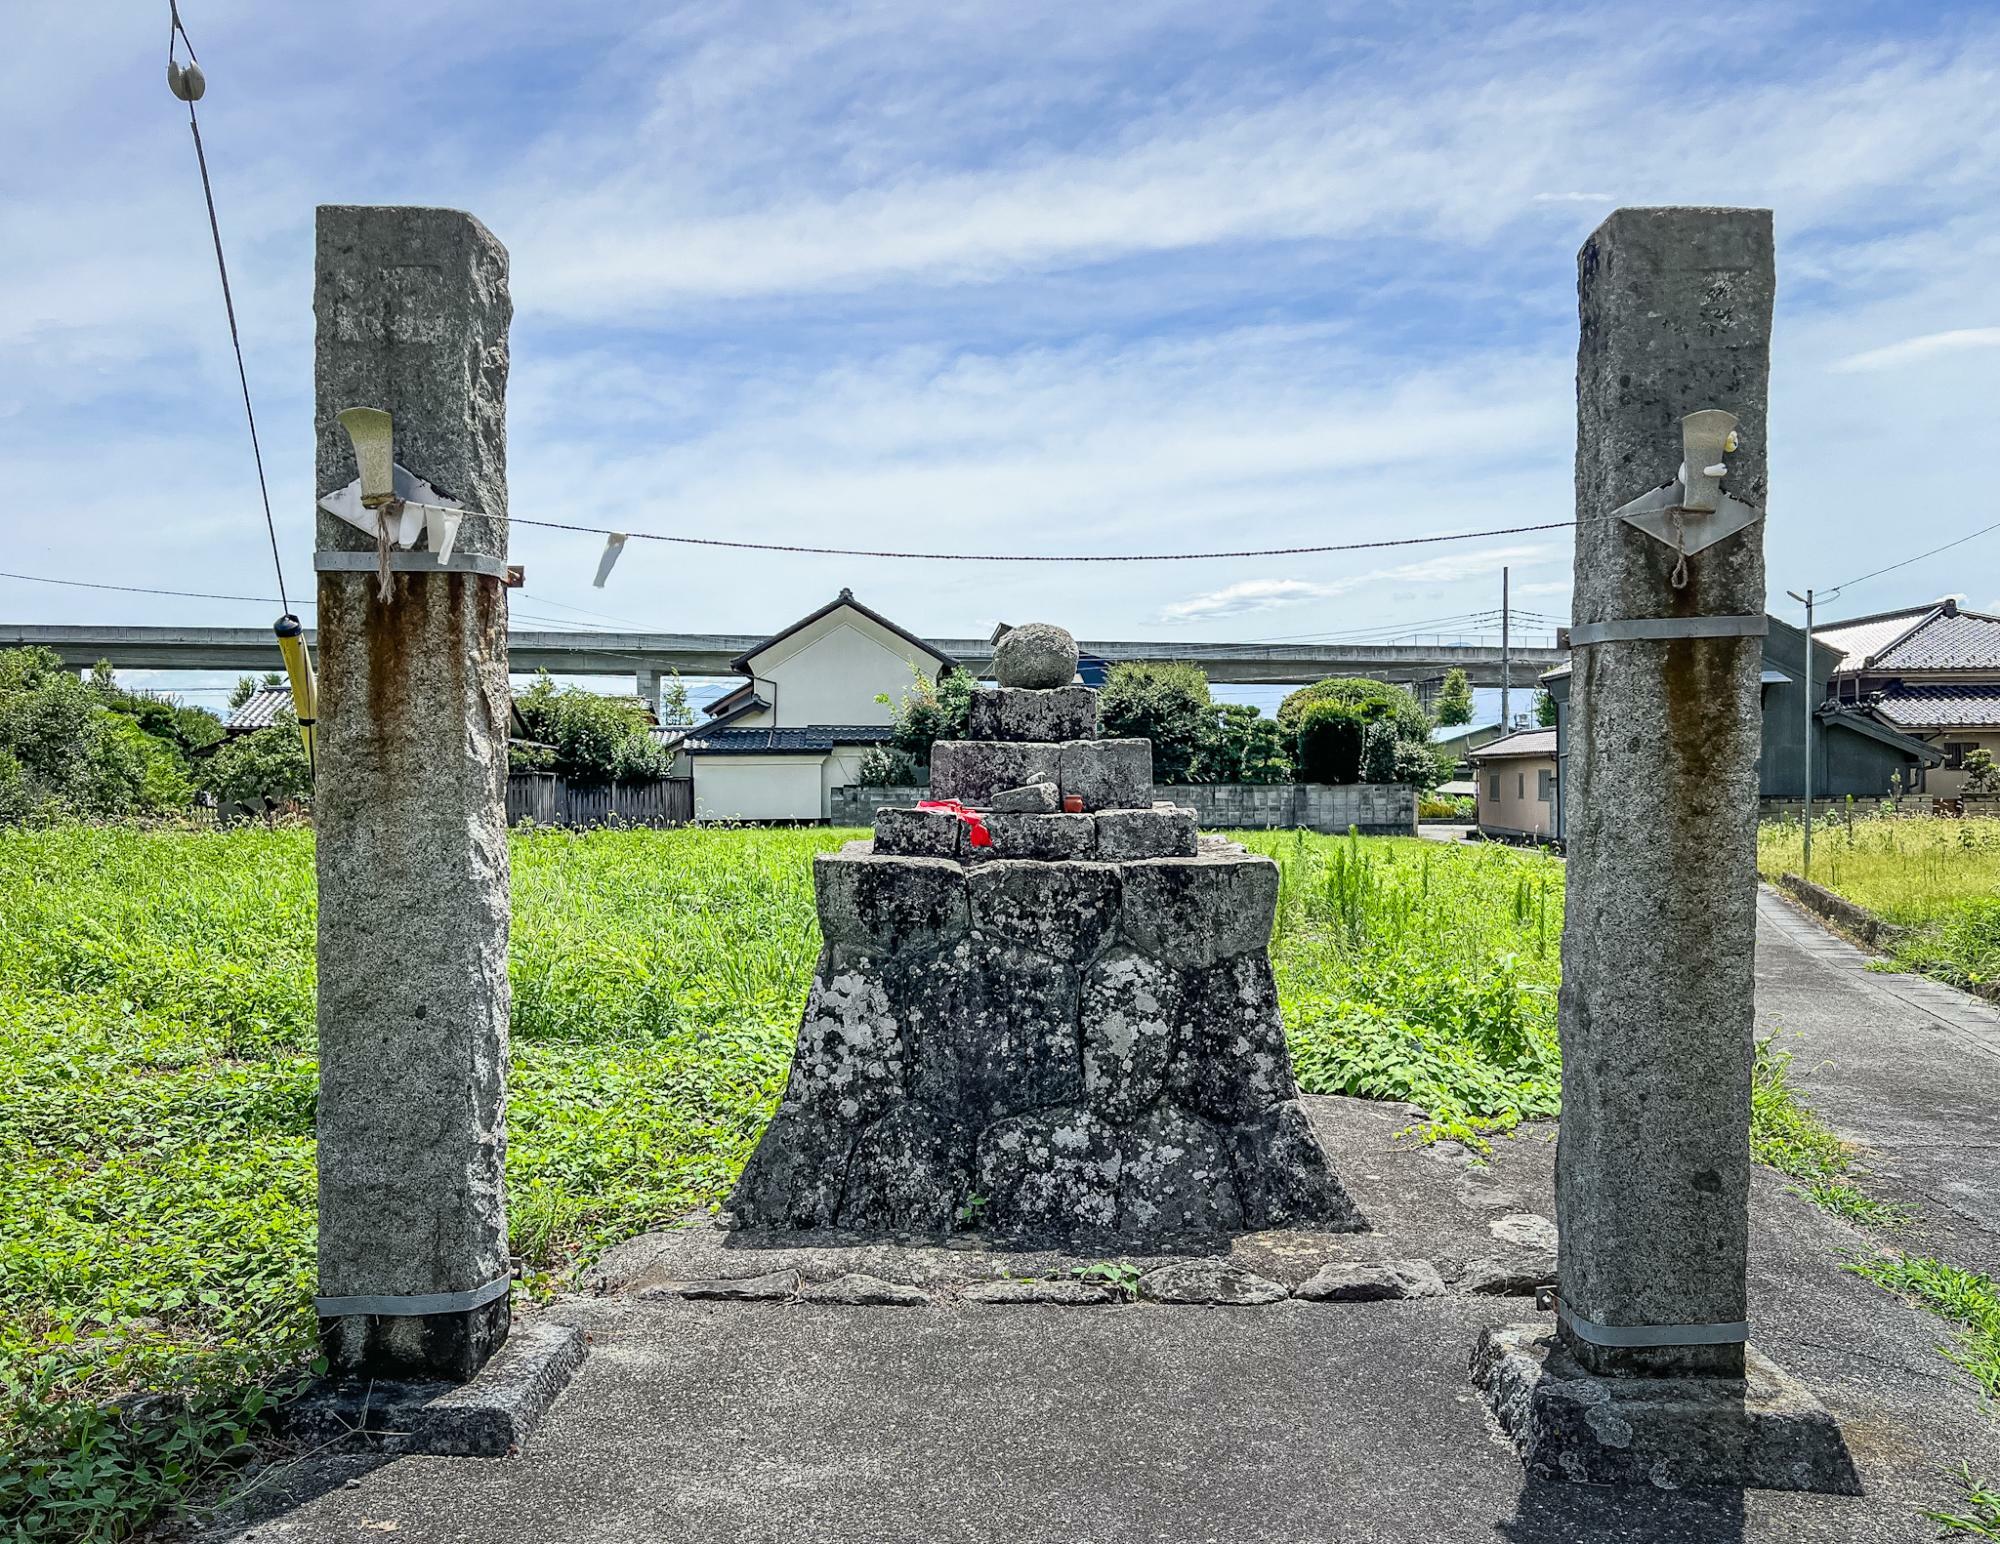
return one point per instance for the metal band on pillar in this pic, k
(411, 563)
(412, 1305)
(1652, 1334)
(1664, 629)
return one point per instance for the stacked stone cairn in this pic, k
(1069, 1035)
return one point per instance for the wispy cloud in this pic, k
(1914, 350)
(1248, 595)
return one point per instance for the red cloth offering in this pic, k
(975, 823)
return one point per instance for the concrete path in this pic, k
(1299, 1422)
(1905, 1066)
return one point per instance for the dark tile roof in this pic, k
(1967, 640)
(844, 598)
(783, 742)
(1934, 705)
(1522, 742)
(260, 710)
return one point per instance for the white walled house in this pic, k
(775, 747)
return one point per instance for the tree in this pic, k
(675, 711)
(1339, 740)
(1372, 699)
(263, 767)
(1330, 738)
(68, 749)
(1242, 746)
(1455, 698)
(586, 737)
(1981, 775)
(1545, 710)
(930, 711)
(1167, 704)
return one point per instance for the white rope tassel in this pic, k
(613, 545)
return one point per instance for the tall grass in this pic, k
(157, 1085)
(1938, 878)
(1414, 971)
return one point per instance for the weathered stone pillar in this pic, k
(1648, 1377)
(412, 310)
(1653, 1164)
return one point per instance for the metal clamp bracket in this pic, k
(1656, 629)
(1651, 1334)
(412, 1305)
(411, 563)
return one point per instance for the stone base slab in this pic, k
(490, 1417)
(1766, 1432)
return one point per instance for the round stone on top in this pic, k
(1035, 655)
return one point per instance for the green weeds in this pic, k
(1420, 973)
(1940, 879)
(1968, 1299)
(1789, 1137)
(1980, 1517)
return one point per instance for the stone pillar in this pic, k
(1653, 1166)
(651, 683)
(412, 310)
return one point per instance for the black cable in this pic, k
(1829, 594)
(135, 589)
(229, 305)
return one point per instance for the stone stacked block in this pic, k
(1105, 774)
(974, 771)
(1025, 713)
(1093, 1050)
(1071, 1033)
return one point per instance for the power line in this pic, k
(1906, 562)
(189, 91)
(138, 589)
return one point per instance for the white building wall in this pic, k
(832, 672)
(759, 787)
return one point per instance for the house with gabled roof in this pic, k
(1931, 672)
(1855, 753)
(815, 698)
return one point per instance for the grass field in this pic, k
(1939, 878)
(157, 1086)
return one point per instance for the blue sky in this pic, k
(1029, 276)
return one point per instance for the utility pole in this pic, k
(1805, 682)
(1506, 661)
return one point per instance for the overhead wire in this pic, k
(1906, 562)
(175, 29)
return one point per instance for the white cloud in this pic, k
(1574, 198)
(1250, 595)
(1246, 596)
(1912, 350)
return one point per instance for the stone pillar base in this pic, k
(490, 1417)
(448, 1346)
(1763, 1432)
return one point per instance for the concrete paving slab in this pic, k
(1117, 1423)
(1902, 1065)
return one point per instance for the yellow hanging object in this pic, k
(305, 688)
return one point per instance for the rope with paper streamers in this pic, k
(615, 541)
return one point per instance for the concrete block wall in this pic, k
(1375, 809)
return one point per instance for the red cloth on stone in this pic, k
(975, 823)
